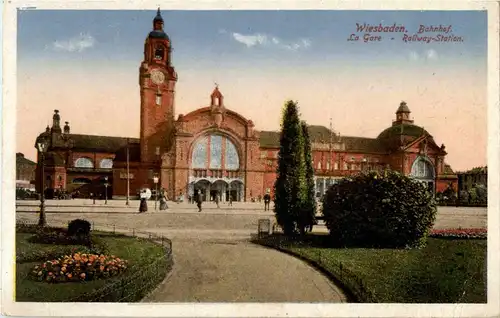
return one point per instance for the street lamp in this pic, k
(42, 145)
(106, 187)
(155, 180)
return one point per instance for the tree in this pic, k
(308, 211)
(290, 184)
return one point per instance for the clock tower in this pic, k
(157, 79)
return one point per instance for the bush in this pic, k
(78, 267)
(460, 233)
(60, 236)
(79, 228)
(379, 210)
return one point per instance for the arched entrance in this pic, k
(235, 190)
(423, 171)
(201, 186)
(215, 168)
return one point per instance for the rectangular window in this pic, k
(328, 165)
(346, 166)
(336, 166)
(158, 99)
(263, 154)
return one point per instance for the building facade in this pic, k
(25, 172)
(472, 178)
(216, 150)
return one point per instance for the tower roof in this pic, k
(403, 108)
(216, 92)
(158, 32)
(158, 17)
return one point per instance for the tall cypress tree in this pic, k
(290, 185)
(308, 211)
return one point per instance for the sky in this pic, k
(86, 64)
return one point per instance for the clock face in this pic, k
(157, 77)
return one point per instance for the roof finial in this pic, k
(216, 85)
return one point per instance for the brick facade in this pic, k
(169, 147)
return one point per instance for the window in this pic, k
(106, 163)
(328, 165)
(200, 153)
(263, 154)
(159, 53)
(346, 166)
(158, 99)
(215, 152)
(232, 161)
(84, 163)
(319, 165)
(336, 166)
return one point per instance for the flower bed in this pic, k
(79, 267)
(460, 233)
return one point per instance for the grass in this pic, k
(139, 253)
(445, 271)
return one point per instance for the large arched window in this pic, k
(84, 163)
(215, 152)
(199, 158)
(232, 159)
(106, 163)
(422, 169)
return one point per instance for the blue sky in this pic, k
(204, 37)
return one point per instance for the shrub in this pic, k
(60, 236)
(79, 228)
(379, 210)
(78, 267)
(460, 233)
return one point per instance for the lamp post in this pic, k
(155, 180)
(106, 191)
(42, 145)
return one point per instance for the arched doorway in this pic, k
(235, 190)
(202, 186)
(218, 188)
(423, 171)
(215, 164)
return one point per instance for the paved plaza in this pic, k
(214, 260)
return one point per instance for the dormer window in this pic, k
(159, 54)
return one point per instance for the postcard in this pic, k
(250, 159)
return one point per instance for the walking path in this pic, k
(228, 270)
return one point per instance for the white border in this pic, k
(239, 309)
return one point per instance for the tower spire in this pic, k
(158, 20)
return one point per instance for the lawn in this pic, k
(147, 266)
(445, 271)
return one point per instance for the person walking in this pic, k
(267, 200)
(230, 200)
(198, 200)
(216, 199)
(163, 202)
(143, 206)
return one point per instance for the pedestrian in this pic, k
(163, 202)
(216, 199)
(267, 200)
(143, 206)
(198, 200)
(230, 200)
